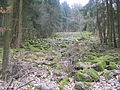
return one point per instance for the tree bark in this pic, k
(118, 20)
(99, 27)
(112, 30)
(7, 39)
(19, 38)
(109, 31)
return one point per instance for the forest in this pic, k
(51, 45)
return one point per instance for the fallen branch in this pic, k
(9, 84)
(24, 85)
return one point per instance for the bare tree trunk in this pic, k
(109, 30)
(7, 39)
(104, 24)
(118, 20)
(112, 31)
(99, 28)
(19, 38)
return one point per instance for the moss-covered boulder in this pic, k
(112, 66)
(82, 85)
(107, 74)
(99, 66)
(36, 45)
(102, 58)
(87, 75)
(82, 77)
(93, 74)
(110, 58)
(95, 54)
(114, 58)
(105, 62)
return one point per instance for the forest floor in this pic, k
(67, 61)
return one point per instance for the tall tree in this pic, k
(19, 37)
(66, 15)
(7, 38)
(118, 20)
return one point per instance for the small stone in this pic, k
(44, 86)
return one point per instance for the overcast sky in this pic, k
(71, 2)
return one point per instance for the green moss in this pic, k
(91, 57)
(112, 66)
(102, 58)
(96, 54)
(100, 66)
(115, 59)
(87, 75)
(36, 45)
(111, 58)
(63, 45)
(86, 34)
(82, 77)
(93, 74)
(100, 63)
(64, 82)
(107, 74)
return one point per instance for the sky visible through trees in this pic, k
(71, 2)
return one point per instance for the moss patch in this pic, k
(100, 66)
(93, 74)
(64, 82)
(36, 45)
(107, 74)
(87, 75)
(112, 66)
(82, 77)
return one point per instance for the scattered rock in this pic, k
(87, 75)
(100, 66)
(82, 65)
(112, 66)
(82, 85)
(44, 86)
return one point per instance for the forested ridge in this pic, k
(48, 45)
